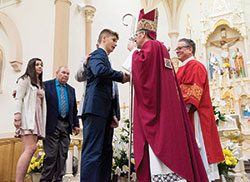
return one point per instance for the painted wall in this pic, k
(35, 22)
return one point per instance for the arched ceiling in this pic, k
(172, 8)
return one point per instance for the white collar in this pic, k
(186, 61)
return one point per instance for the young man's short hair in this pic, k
(107, 32)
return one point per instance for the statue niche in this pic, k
(229, 107)
(224, 43)
(224, 49)
(244, 102)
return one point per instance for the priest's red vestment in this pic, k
(194, 84)
(160, 117)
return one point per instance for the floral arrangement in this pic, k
(231, 154)
(36, 164)
(233, 70)
(218, 115)
(121, 151)
(226, 65)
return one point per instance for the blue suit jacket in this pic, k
(52, 106)
(98, 98)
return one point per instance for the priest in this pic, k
(164, 144)
(193, 79)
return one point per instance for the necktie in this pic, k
(63, 102)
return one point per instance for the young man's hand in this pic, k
(114, 123)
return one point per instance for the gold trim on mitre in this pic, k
(148, 24)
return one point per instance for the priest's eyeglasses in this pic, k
(179, 48)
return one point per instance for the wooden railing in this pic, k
(10, 150)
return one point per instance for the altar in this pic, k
(225, 53)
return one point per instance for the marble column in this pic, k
(89, 12)
(173, 37)
(61, 40)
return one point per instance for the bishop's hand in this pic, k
(131, 45)
(125, 77)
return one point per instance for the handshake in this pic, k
(125, 77)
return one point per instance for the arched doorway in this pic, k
(15, 56)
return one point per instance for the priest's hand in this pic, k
(87, 59)
(131, 45)
(114, 123)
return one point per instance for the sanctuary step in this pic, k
(247, 168)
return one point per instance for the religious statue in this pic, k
(239, 62)
(214, 65)
(246, 112)
(188, 27)
(224, 44)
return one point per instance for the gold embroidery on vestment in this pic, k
(193, 91)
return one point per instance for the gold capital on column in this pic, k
(89, 12)
(64, 1)
(173, 34)
(173, 37)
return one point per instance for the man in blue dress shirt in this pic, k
(61, 120)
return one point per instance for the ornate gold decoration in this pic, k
(222, 22)
(124, 106)
(148, 24)
(89, 12)
(175, 62)
(188, 27)
(235, 136)
(193, 91)
(76, 142)
(229, 98)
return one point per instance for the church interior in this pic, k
(62, 32)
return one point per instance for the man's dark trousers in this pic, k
(56, 147)
(97, 149)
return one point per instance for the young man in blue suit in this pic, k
(61, 120)
(99, 111)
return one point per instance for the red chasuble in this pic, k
(194, 84)
(160, 117)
